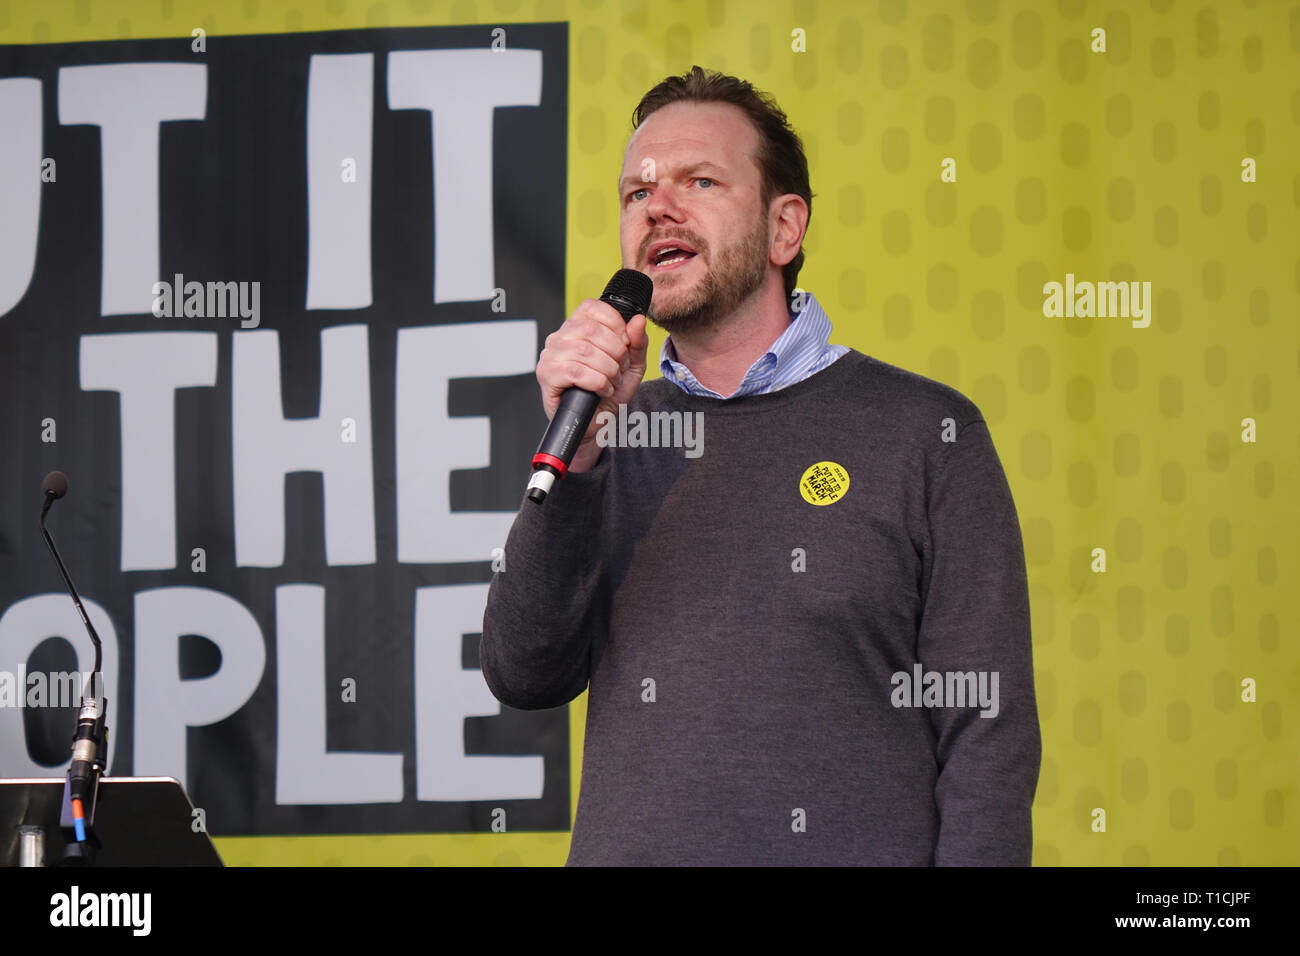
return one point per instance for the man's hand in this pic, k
(595, 350)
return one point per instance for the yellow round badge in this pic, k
(824, 483)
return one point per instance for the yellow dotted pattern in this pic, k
(1123, 165)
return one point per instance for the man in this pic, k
(808, 642)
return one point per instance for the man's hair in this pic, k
(781, 160)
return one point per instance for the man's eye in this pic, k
(633, 195)
(704, 181)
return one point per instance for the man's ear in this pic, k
(791, 212)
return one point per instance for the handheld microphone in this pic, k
(91, 737)
(629, 292)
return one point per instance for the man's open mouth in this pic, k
(670, 257)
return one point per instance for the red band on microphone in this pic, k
(541, 458)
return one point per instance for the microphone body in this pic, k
(85, 747)
(90, 741)
(629, 291)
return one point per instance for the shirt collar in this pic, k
(809, 328)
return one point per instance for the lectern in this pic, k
(138, 821)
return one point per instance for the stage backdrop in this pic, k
(274, 278)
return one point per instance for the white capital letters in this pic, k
(340, 104)
(24, 627)
(305, 772)
(428, 358)
(20, 186)
(268, 446)
(146, 368)
(165, 705)
(128, 101)
(445, 694)
(461, 88)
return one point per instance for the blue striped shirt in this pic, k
(802, 350)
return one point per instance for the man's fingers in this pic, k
(607, 316)
(563, 368)
(594, 332)
(577, 375)
(586, 353)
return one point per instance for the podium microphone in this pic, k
(629, 292)
(91, 738)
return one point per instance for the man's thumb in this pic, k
(638, 340)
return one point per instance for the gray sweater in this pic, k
(773, 681)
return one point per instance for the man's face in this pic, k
(689, 176)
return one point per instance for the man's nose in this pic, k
(664, 203)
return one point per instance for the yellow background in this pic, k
(1122, 165)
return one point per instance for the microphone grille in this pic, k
(634, 287)
(56, 484)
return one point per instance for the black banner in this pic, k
(273, 303)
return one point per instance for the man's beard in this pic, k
(737, 274)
